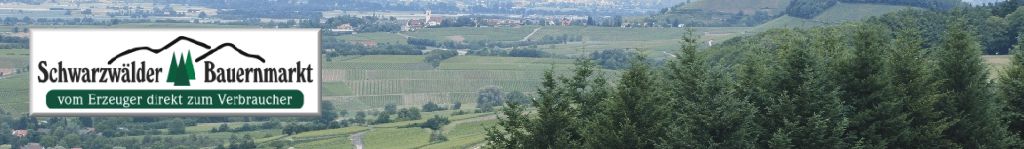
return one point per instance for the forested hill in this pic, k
(911, 79)
(810, 8)
(756, 12)
(997, 25)
(994, 23)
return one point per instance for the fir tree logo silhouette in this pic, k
(181, 71)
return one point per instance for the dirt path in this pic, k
(357, 139)
(531, 34)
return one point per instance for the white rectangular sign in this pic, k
(175, 72)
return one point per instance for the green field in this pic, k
(397, 138)
(328, 138)
(13, 59)
(329, 132)
(504, 63)
(465, 135)
(206, 127)
(431, 114)
(654, 39)
(388, 62)
(466, 130)
(332, 143)
(594, 38)
(14, 94)
(369, 82)
(379, 37)
(388, 59)
(352, 84)
(14, 52)
(734, 6)
(220, 135)
(473, 33)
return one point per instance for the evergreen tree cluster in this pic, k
(181, 70)
(858, 85)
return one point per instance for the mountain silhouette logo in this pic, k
(181, 70)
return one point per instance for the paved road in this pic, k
(531, 34)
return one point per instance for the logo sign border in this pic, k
(319, 82)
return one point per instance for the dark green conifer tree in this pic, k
(553, 127)
(189, 70)
(633, 118)
(915, 91)
(969, 101)
(807, 111)
(705, 111)
(180, 78)
(171, 73)
(876, 117)
(1011, 87)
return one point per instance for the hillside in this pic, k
(735, 6)
(788, 22)
(762, 12)
(840, 13)
(844, 12)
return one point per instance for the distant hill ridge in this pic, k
(808, 13)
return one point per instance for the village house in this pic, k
(502, 22)
(412, 25)
(432, 20)
(344, 29)
(367, 43)
(21, 133)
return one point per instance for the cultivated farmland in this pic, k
(369, 82)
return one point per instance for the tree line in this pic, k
(858, 85)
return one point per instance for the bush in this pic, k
(382, 118)
(613, 58)
(489, 97)
(518, 98)
(177, 126)
(409, 114)
(527, 53)
(435, 123)
(431, 107)
(435, 57)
